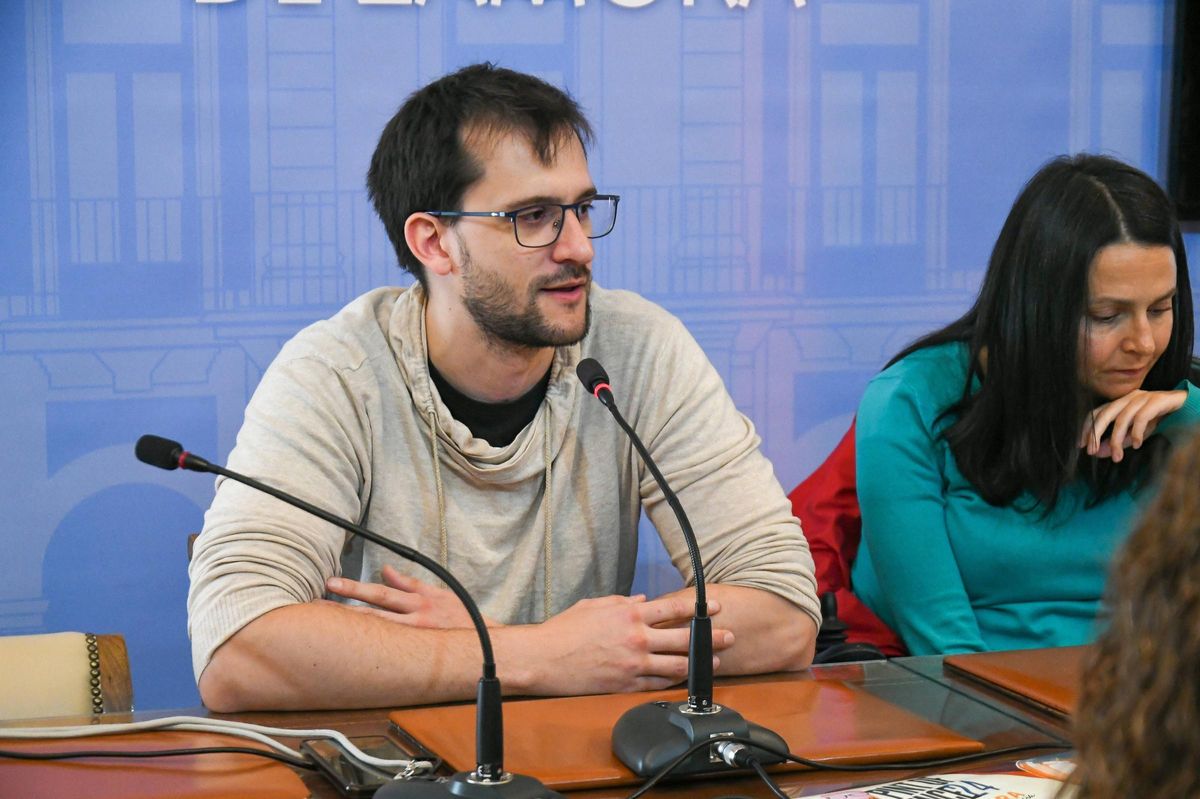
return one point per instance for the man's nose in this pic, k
(573, 243)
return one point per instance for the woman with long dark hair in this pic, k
(1000, 459)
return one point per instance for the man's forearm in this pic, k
(770, 633)
(323, 655)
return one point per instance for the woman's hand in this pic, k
(1133, 418)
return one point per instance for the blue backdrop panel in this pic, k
(809, 187)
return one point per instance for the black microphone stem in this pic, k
(489, 732)
(700, 647)
(489, 663)
(658, 735)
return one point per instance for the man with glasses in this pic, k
(448, 416)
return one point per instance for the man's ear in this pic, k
(429, 239)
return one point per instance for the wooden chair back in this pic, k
(64, 674)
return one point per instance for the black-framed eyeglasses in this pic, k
(540, 225)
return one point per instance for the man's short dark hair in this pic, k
(423, 161)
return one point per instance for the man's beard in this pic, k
(504, 318)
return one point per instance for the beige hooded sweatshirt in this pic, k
(347, 418)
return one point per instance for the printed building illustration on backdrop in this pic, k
(808, 189)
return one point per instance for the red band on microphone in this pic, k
(600, 387)
(182, 459)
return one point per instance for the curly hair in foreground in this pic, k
(1137, 731)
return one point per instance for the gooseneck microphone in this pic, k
(649, 737)
(489, 779)
(700, 650)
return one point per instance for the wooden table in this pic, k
(916, 684)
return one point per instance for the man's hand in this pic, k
(607, 645)
(603, 645)
(405, 600)
(1133, 418)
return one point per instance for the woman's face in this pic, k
(1129, 316)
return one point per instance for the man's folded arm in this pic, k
(770, 633)
(324, 655)
(756, 559)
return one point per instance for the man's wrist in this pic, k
(516, 662)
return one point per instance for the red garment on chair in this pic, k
(826, 504)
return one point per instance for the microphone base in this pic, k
(648, 737)
(459, 785)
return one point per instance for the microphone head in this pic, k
(591, 374)
(157, 451)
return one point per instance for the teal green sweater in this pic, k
(948, 571)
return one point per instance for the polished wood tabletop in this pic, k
(921, 686)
